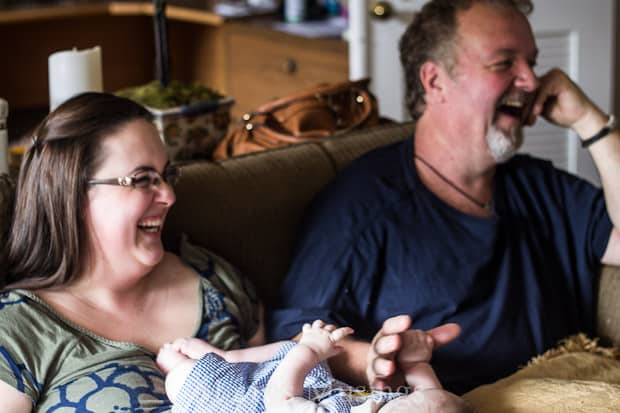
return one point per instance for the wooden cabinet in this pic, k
(263, 64)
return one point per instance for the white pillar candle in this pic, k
(358, 39)
(72, 72)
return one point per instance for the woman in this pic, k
(88, 294)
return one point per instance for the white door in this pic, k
(575, 35)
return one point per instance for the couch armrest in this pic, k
(608, 313)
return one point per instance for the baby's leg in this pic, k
(421, 376)
(177, 376)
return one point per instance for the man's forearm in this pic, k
(350, 365)
(606, 155)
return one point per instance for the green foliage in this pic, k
(175, 94)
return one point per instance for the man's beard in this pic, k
(503, 145)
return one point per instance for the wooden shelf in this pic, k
(172, 12)
(61, 11)
(32, 14)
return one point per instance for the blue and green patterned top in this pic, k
(65, 368)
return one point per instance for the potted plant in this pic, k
(190, 118)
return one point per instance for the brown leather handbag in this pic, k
(309, 115)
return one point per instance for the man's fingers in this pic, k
(330, 327)
(444, 333)
(396, 325)
(560, 100)
(380, 364)
(383, 367)
(318, 324)
(386, 346)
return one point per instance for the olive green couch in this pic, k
(248, 209)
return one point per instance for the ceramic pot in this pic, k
(193, 131)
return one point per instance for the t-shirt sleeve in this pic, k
(16, 358)
(587, 214)
(342, 245)
(309, 292)
(329, 279)
(15, 374)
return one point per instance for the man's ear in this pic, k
(432, 76)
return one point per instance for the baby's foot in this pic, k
(417, 346)
(169, 357)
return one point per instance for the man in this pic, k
(452, 227)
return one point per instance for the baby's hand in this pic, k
(323, 338)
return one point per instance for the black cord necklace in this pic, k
(484, 205)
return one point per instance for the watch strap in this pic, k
(611, 123)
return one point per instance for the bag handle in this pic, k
(360, 85)
(265, 128)
(363, 98)
(253, 130)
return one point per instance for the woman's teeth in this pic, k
(150, 225)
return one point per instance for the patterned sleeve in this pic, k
(230, 299)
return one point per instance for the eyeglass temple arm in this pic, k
(125, 181)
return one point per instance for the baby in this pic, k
(292, 377)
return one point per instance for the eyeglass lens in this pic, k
(153, 178)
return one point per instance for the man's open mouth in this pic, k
(516, 106)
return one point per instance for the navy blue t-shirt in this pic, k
(376, 243)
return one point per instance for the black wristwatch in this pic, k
(611, 124)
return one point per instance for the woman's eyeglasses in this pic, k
(144, 179)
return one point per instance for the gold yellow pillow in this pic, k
(577, 377)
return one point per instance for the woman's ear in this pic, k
(432, 77)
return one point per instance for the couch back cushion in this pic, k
(249, 209)
(344, 149)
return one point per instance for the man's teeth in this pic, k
(513, 106)
(513, 103)
(152, 225)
